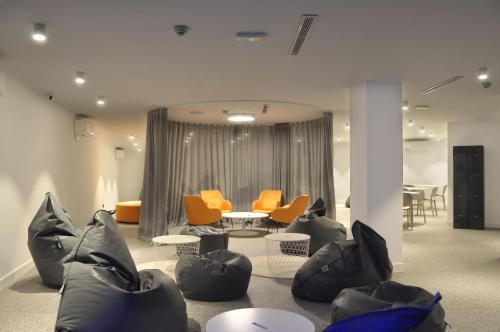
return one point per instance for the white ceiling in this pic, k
(131, 55)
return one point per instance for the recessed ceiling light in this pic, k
(431, 134)
(139, 149)
(241, 117)
(80, 77)
(339, 138)
(101, 101)
(482, 74)
(347, 126)
(405, 106)
(136, 144)
(422, 129)
(131, 136)
(250, 37)
(410, 123)
(39, 35)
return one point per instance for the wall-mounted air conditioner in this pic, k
(84, 128)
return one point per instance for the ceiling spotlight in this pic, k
(431, 134)
(339, 138)
(422, 129)
(80, 77)
(131, 136)
(240, 117)
(347, 126)
(136, 144)
(438, 138)
(101, 101)
(405, 106)
(482, 74)
(139, 149)
(191, 134)
(410, 123)
(39, 34)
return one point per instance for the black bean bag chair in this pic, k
(344, 264)
(103, 291)
(378, 306)
(318, 208)
(220, 275)
(51, 236)
(211, 238)
(322, 230)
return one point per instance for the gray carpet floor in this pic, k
(463, 265)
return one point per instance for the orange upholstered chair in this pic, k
(290, 212)
(129, 212)
(215, 200)
(267, 202)
(198, 213)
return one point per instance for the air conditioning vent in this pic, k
(417, 139)
(304, 30)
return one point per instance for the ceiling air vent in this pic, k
(439, 85)
(304, 30)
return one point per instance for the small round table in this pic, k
(286, 252)
(244, 217)
(259, 320)
(184, 244)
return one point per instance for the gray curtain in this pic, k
(311, 161)
(240, 161)
(154, 220)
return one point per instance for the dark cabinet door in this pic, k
(468, 187)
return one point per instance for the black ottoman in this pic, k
(389, 295)
(211, 238)
(51, 236)
(344, 264)
(103, 291)
(220, 275)
(322, 230)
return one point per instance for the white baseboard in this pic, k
(398, 267)
(12, 277)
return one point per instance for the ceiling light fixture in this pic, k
(405, 106)
(80, 77)
(131, 136)
(139, 149)
(240, 117)
(339, 138)
(482, 74)
(101, 101)
(410, 123)
(347, 126)
(422, 129)
(39, 35)
(250, 37)
(136, 144)
(431, 134)
(439, 85)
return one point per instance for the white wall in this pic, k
(130, 174)
(425, 162)
(341, 170)
(38, 153)
(486, 133)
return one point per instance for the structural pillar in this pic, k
(377, 161)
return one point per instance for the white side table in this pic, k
(286, 252)
(184, 244)
(259, 320)
(244, 217)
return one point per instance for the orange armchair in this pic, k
(267, 202)
(215, 200)
(290, 212)
(198, 213)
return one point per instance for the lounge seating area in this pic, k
(221, 166)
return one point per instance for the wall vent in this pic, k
(304, 30)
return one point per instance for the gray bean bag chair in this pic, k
(103, 291)
(51, 236)
(322, 230)
(318, 208)
(211, 238)
(344, 264)
(348, 202)
(220, 275)
(353, 302)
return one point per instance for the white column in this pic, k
(377, 161)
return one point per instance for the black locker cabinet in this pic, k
(468, 187)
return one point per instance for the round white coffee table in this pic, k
(184, 244)
(286, 252)
(259, 320)
(244, 217)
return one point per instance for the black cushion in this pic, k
(353, 302)
(318, 208)
(211, 238)
(344, 264)
(322, 230)
(219, 275)
(51, 236)
(103, 291)
(348, 202)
